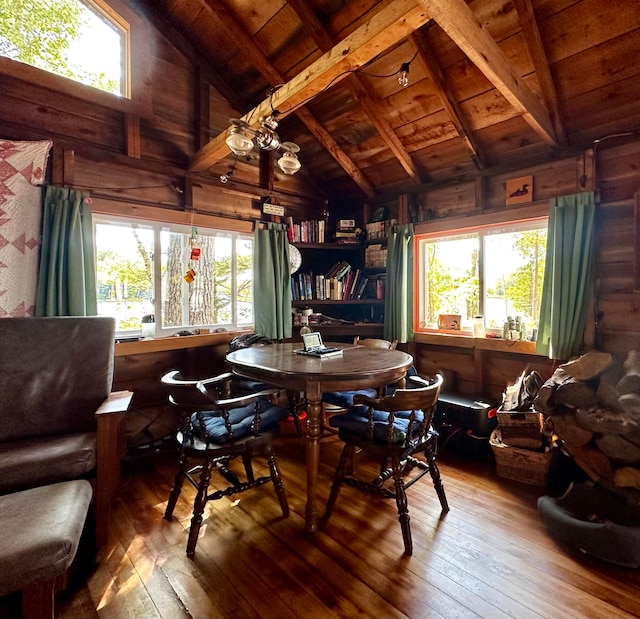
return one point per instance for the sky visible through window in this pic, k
(98, 48)
(71, 38)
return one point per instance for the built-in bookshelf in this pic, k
(334, 282)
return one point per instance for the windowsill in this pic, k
(162, 344)
(458, 340)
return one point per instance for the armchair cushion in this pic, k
(48, 460)
(241, 420)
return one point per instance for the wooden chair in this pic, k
(216, 428)
(341, 401)
(373, 342)
(393, 430)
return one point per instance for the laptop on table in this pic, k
(314, 346)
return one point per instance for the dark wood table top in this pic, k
(357, 367)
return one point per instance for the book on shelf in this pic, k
(309, 231)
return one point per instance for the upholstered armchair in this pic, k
(59, 419)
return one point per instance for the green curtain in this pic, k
(398, 304)
(67, 272)
(566, 278)
(272, 282)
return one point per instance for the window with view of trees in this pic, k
(496, 272)
(142, 270)
(83, 40)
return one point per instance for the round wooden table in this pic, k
(359, 367)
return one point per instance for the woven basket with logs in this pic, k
(594, 406)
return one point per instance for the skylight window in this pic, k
(83, 40)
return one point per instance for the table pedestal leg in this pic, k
(314, 417)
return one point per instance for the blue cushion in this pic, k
(241, 420)
(247, 385)
(344, 399)
(356, 420)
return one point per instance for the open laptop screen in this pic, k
(312, 341)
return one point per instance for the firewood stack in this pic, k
(594, 406)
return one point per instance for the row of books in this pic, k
(310, 231)
(378, 229)
(356, 285)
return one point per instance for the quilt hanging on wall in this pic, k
(22, 169)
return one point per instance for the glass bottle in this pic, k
(478, 326)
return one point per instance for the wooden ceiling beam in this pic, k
(461, 25)
(449, 102)
(541, 65)
(266, 68)
(359, 89)
(386, 28)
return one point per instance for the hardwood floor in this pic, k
(489, 557)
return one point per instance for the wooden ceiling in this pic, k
(491, 83)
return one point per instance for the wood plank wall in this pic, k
(613, 321)
(130, 163)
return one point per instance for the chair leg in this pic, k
(294, 398)
(434, 471)
(276, 478)
(402, 505)
(247, 461)
(38, 600)
(181, 473)
(198, 506)
(346, 457)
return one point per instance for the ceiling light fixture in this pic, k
(241, 142)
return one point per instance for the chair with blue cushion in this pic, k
(340, 401)
(216, 427)
(393, 430)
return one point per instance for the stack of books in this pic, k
(346, 231)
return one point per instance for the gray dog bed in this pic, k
(596, 521)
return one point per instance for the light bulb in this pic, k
(224, 178)
(403, 78)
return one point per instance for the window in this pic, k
(496, 271)
(143, 269)
(83, 40)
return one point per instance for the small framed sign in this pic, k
(272, 209)
(519, 190)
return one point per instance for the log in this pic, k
(544, 403)
(607, 394)
(627, 477)
(630, 404)
(606, 421)
(592, 461)
(588, 366)
(619, 448)
(575, 393)
(568, 431)
(630, 381)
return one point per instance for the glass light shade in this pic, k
(289, 163)
(239, 141)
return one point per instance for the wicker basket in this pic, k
(521, 428)
(524, 465)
